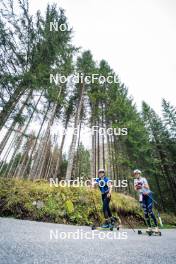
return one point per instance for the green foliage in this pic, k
(29, 53)
(82, 162)
(169, 115)
(162, 161)
(21, 199)
(69, 207)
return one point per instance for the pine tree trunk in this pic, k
(103, 136)
(21, 137)
(75, 164)
(8, 134)
(109, 158)
(47, 136)
(9, 149)
(34, 146)
(74, 138)
(113, 159)
(10, 105)
(95, 161)
(61, 149)
(98, 147)
(93, 175)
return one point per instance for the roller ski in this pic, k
(151, 232)
(109, 225)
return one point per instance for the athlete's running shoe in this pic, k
(105, 226)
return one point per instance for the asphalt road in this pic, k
(27, 242)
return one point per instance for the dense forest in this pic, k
(34, 108)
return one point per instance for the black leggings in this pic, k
(147, 204)
(106, 209)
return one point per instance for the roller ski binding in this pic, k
(108, 225)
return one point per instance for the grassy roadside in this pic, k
(38, 201)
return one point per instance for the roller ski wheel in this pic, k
(149, 233)
(114, 223)
(139, 232)
(152, 232)
(93, 227)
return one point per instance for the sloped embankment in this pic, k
(72, 205)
